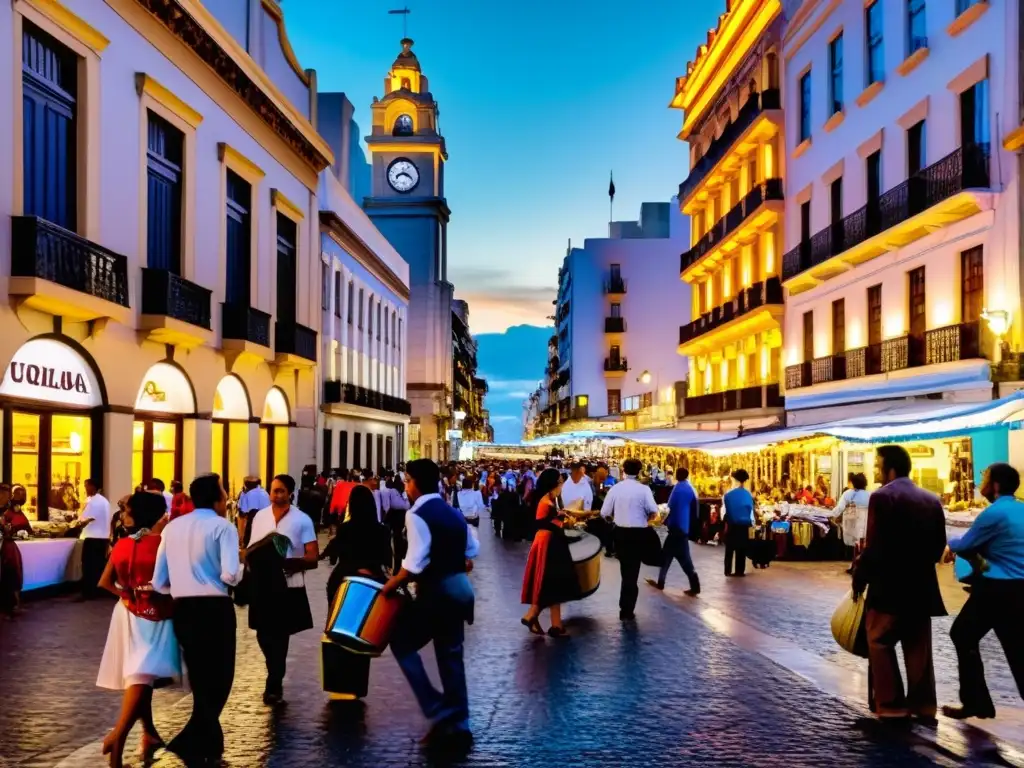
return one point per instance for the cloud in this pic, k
(499, 298)
(504, 419)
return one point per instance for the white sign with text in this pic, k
(48, 370)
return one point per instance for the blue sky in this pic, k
(539, 100)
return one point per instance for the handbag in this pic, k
(650, 547)
(849, 625)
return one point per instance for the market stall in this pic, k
(48, 562)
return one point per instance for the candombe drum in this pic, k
(585, 549)
(358, 628)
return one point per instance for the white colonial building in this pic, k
(902, 271)
(159, 240)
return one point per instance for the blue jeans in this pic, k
(421, 622)
(677, 547)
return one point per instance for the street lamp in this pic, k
(645, 377)
(999, 323)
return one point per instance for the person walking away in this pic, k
(739, 516)
(853, 508)
(906, 538)
(577, 488)
(196, 562)
(471, 502)
(12, 522)
(682, 505)
(95, 538)
(441, 546)
(631, 504)
(282, 613)
(550, 578)
(253, 498)
(361, 547)
(997, 537)
(141, 647)
(181, 504)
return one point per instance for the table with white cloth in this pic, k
(46, 562)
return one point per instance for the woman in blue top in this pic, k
(739, 516)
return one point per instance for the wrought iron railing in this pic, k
(245, 323)
(965, 168)
(771, 189)
(614, 325)
(612, 364)
(42, 249)
(336, 392)
(798, 375)
(168, 294)
(745, 398)
(615, 285)
(953, 343)
(749, 112)
(295, 339)
(747, 300)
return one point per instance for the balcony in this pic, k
(294, 345)
(616, 286)
(758, 397)
(753, 310)
(759, 208)
(336, 392)
(614, 325)
(936, 196)
(615, 367)
(175, 310)
(817, 371)
(57, 272)
(246, 330)
(742, 127)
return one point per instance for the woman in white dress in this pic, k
(853, 507)
(141, 647)
(471, 501)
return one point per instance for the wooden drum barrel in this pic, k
(585, 549)
(361, 619)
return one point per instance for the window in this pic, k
(164, 153)
(328, 445)
(805, 221)
(616, 272)
(49, 89)
(325, 286)
(351, 302)
(361, 309)
(369, 451)
(835, 193)
(378, 320)
(614, 402)
(974, 122)
(972, 284)
(838, 327)
(380, 452)
(615, 355)
(287, 282)
(394, 330)
(916, 301)
(752, 170)
(874, 315)
(963, 5)
(389, 452)
(343, 450)
(873, 40)
(808, 336)
(805, 106)
(916, 148)
(835, 67)
(874, 174)
(616, 309)
(916, 28)
(239, 234)
(357, 450)
(403, 126)
(387, 323)
(399, 334)
(337, 294)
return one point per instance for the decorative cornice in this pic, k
(144, 84)
(258, 96)
(338, 231)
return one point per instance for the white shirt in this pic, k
(168, 497)
(392, 499)
(631, 502)
(254, 500)
(296, 525)
(198, 556)
(98, 508)
(471, 503)
(417, 558)
(581, 490)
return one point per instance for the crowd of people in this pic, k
(179, 565)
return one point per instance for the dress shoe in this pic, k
(654, 583)
(624, 616)
(692, 592)
(962, 713)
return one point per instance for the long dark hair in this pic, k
(362, 508)
(547, 482)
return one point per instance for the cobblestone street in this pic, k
(670, 691)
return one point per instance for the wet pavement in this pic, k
(674, 689)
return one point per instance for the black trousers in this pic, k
(628, 547)
(992, 606)
(94, 560)
(737, 537)
(677, 547)
(205, 628)
(274, 644)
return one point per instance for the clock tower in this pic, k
(408, 206)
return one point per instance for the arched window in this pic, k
(403, 126)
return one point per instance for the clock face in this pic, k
(403, 176)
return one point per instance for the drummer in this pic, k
(577, 486)
(441, 546)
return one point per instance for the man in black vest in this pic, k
(440, 547)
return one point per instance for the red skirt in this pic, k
(11, 575)
(550, 578)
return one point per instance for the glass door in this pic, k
(51, 455)
(156, 451)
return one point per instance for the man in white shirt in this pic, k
(196, 563)
(95, 537)
(276, 617)
(441, 546)
(632, 505)
(254, 498)
(577, 486)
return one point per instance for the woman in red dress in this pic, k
(550, 577)
(12, 521)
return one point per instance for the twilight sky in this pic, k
(538, 100)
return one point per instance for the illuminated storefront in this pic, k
(230, 431)
(274, 435)
(165, 396)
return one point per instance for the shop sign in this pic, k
(48, 370)
(454, 434)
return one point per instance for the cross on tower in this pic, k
(404, 13)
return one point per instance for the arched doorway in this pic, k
(230, 433)
(165, 395)
(274, 435)
(51, 395)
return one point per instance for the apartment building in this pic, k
(731, 98)
(902, 268)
